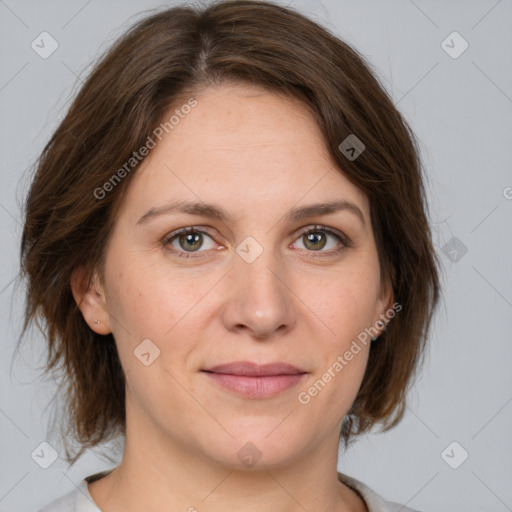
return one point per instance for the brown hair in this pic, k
(160, 60)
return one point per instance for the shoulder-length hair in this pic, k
(160, 61)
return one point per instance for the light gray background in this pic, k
(461, 110)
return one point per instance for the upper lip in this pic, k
(250, 369)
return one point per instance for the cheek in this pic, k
(153, 334)
(345, 303)
(149, 299)
(330, 393)
(148, 302)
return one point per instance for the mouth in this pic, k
(251, 380)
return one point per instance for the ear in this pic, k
(90, 297)
(385, 303)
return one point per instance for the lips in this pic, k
(251, 380)
(256, 370)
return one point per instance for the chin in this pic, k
(256, 446)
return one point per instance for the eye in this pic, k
(317, 238)
(188, 240)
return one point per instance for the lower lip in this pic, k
(256, 387)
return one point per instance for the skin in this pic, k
(258, 155)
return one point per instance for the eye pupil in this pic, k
(314, 238)
(191, 241)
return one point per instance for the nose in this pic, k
(258, 299)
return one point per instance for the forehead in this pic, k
(238, 143)
(246, 119)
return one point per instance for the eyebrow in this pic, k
(217, 212)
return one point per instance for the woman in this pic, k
(227, 241)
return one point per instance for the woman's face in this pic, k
(249, 287)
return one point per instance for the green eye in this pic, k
(317, 238)
(188, 240)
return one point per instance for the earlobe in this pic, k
(90, 298)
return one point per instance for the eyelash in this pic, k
(345, 242)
